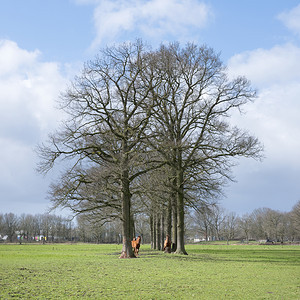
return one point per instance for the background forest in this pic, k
(263, 224)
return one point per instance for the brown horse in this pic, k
(136, 245)
(167, 244)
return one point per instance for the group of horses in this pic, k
(136, 243)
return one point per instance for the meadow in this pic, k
(89, 271)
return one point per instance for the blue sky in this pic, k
(43, 44)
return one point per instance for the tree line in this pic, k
(263, 224)
(148, 133)
(30, 228)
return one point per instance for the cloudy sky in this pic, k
(44, 43)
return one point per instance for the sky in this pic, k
(43, 45)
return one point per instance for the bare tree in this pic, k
(295, 218)
(257, 227)
(26, 225)
(217, 220)
(132, 110)
(274, 224)
(193, 135)
(109, 110)
(10, 225)
(230, 226)
(269, 224)
(202, 219)
(245, 223)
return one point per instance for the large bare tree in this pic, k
(133, 109)
(109, 106)
(194, 101)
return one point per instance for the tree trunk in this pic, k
(132, 233)
(180, 226)
(169, 218)
(126, 216)
(180, 212)
(158, 234)
(206, 232)
(154, 231)
(162, 238)
(151, 231)
(174, 222)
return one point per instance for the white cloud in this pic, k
(29, 88)
(173, 17)
(12, 58)
(274, 117)
(152, 19)
(291, 19)
(264, 67)
(28, 92)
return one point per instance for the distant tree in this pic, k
(27, 226)
(2, 225)
(202, 219)
(230, 226)
(272, 222)
(10, 225)
(245, 223)
(258, 228)
(283, 227)
(217, 220)
(269, 224)
(295, 219)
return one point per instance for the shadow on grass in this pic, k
(145, 253)
(290, 257)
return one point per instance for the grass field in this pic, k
(78, 271)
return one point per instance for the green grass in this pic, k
(78, 271)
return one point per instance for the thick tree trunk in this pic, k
(180, 211)
(126, 216)
(180, 226)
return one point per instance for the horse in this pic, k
(135, 243)
(167, 244)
